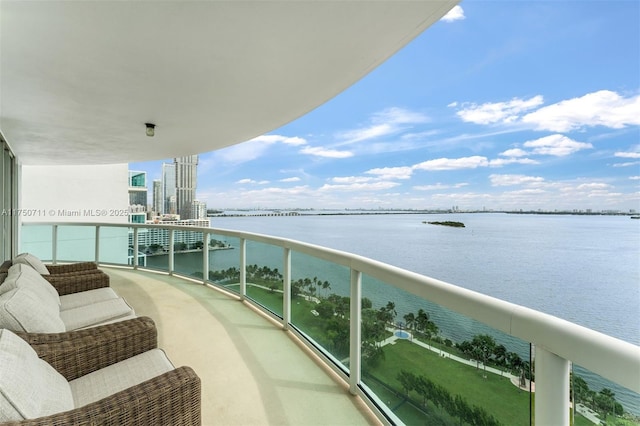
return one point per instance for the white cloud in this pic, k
(455, 14)
(556, 145)
(439, 187)
(494, 112)
(291, 179)
(453, 163)
(395, 115)
(351, 179)
(392, 172)
(515, 152)
(593, 186)
(251, 181)
(371, 132)
(627, 154)
(241, 153)
(634, 177)
(512, 180)
(269, 139)
(324, 152)
(628, 164)
(361, 186)
(386, 122)
(499, 162)
(602, 108)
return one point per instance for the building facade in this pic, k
(168, 188)
(158, 201)
(186, 181)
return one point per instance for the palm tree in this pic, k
(410, 320)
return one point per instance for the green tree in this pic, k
(484, 346)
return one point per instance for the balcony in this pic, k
(252, 372)
(273, 347)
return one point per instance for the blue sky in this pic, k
(502, 105)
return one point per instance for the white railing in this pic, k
(558, 343)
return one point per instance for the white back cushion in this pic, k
(24, 276)
(29, 387)
(31, 260)
(21, 309)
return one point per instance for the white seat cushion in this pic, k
(120, 376)
(83, 298)
(21, 275)
(29, 387)
(21, 309)
(33, 261)
(95, 314)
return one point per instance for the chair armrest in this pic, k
(67, 284)
(72, 267)
(173, 398)
(76, 353)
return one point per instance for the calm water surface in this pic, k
(585, 269)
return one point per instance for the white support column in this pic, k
(135, 248)
(286, 290)
(243, 269)
(171, 250)
(97, 251)
(54, 244)
(552, 388)
(206, 238)
(355, 351)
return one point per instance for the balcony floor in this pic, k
(252, 371)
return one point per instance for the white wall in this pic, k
(65, 194)
(75, 193)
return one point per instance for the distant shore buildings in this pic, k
(173, 203)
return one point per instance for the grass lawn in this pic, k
(495, 394)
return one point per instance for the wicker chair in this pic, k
(70, 278)
(172, 398)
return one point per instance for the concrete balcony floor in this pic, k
(252, 371)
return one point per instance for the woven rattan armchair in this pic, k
(67, 268)
(71, 278)
(172, 398)
(101, 346)
(67, 284)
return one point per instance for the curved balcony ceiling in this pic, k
(79, 79)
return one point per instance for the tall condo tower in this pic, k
(158, 202)
(168, 188)
(186, 182)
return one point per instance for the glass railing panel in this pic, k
(188, 254)
(114, 246)
(265, 264)
(36, 239)
(597, 400)
(431, 365)
(154, 243)
(76, 243)
(224, 262)
(320, 304)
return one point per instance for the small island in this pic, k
(446, 223)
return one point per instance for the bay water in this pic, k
(585, 269)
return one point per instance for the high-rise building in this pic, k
(186, 182)
(168, 187)
(137, 188)
(158, 201)
(199, 210)
(137, 196)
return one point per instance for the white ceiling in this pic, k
(78, 79)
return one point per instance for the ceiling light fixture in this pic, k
(150, 129)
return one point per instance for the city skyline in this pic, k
(503, 106)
